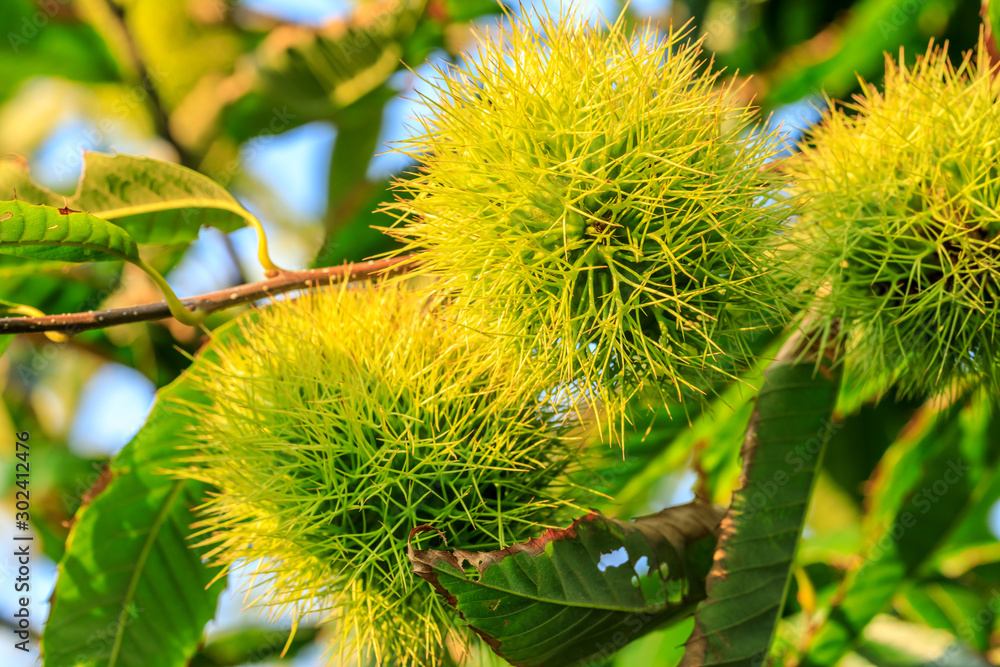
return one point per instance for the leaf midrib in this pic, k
(563, 603)
(140, 564)
(169, 205)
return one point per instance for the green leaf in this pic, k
(16, 183)
(946, 606)
(252, 645)
(156, 202)
(872, 28)
(993, 19)
(46, 233)
(460, 11)
(928, 482)
(662, 647)
(552, 601)
(320, 71)
(709, 434)
(677, 431)
(782, 453)
(357, 237)
(132, 589)
(60, 47)
(900, 644)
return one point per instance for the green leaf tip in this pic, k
(339, 421)
(902, 226)
(600, 196)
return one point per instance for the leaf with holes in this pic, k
(579, 592)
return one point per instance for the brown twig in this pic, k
(989, 41)
(287, 281)
(234, 257)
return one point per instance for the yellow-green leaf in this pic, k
(154, 201)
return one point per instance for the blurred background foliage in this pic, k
(293, 105)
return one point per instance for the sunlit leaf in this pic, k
(45, 233)
(132, 589)
(154, 201)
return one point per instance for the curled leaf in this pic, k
(48, 233)
(154, 201)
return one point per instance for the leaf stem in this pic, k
(262, 254)
(177, 309)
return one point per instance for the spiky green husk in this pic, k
(903, 223)
(342, 420)
(595, 192)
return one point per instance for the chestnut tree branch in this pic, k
(988, 37)
(286, 281)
